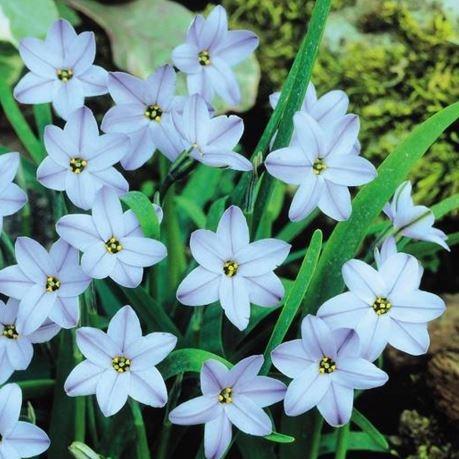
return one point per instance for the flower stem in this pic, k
(342, 442)
(43, 117)
(143, 452)
(316, 436)
(19, 123)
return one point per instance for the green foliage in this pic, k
(398, 61)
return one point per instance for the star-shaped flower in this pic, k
(326, 367)
(209, 53)
(211, 140)
(143, 111)
(16, 350)
(61, 69)
(233, 270)
(323, 166)
(384, 306)
(327, 110)
(12, 198)
(120, 364)
(19, 438)
(412, 221)
(112, 242)
(235, 396)
(47, 284)
(80, 161)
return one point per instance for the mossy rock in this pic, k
(397, 60)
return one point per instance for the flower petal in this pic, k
(229, 159)
(94, 80)
(233, 230)
(142, 149)
(290, 358)
(38, 57)
(125, 88)
(81, 189)
(59, 146)
(306, 197)
(35, 89)
(78, 230)
(214, 28)
(310, 136)
(248, 417)
(68, 98)
(112, 178)
(400, 273)
(336, 405)
(12, 199)
(149, 350)
(107, 150)
(331, 106)
(349, 170)
(14, 283)
(33, 259)
(358, 373)
(148, 387)
(217, 436)
(83, 379)
(417, 306)
(335, 201)
(225, 131)
(343, 135)
(97, 346)
(141, 251)
(237, 45)
(125, 119)
(51, 174)
(200, 287)
(185, 58)
(196, 411)
(127, 275)
(47, 331)
(66, 312)
(224, 81)
(97, 262)
(29, 439)
(213, 377)
(124, 328)
(373, 331)
(317, 338)
(234, 298)
(262, 390)
(289, 164)
(112, 391)
(265, 290)
(412, 338)
(82, 53)
(363, 280)
(160, 86)
(107, 214)
(306, 391)
(10, 407)
(208, 250)
(20, 353)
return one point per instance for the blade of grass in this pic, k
(361, 421)
(43, 117)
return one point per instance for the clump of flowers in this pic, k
(109, 237)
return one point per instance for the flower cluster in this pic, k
(336, 349)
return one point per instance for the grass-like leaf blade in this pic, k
(361, 421)
(144, 211)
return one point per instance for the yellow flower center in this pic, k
(113, 245)
(10, 332)
(64, 74)
(52, 284)
(153, 112)
(381, 305)
(121, 364)
(230, 268)
(204, 57)
(78, 165)
(327, 365)
(319, 166)
(225, 395)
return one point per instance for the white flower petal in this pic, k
(148, 387)
(200, 287)
(83, 379)
(112, 391)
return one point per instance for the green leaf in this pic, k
(27, 18)
(190, 208)
(280, 438)
(10, 63)
(295, 297)
(357, 441)
(211, 329)
(36, 388)
(144, 211)
(184, 360)
(347, 236)
(446, 206)
(293, 229)
(361, 421)
(215, 213)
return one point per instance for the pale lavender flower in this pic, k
(326, 367)
(384, 306)
(120, 364)
(16, 347)
(12, 198)
(415, 222)
(230, 396)
(19, 438)
(143, 111)
(211, 140)
(322, 165)
(327, 110)
(80, 161)
(209, 53)
(233, 270)
(112, 242)
(46, 283)
(61, 69)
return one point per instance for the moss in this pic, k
(397, 60)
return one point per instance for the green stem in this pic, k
(43, 117)
(342, 442)
(92, 425)
(9, 246)
(19, 123)
(143, 452)
(316, 436)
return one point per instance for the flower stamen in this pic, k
(113, 245)
(52, 284)
(153, 112)
(225, 395)
(319, 166)
(204, 57)
(327, 365)
(64, 74)
(78, 165)
(230, 268)
(121, 364)
(381, 305)
(10, 332)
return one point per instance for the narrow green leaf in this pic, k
(280, 438)
(37, 388)
(211, 329)
(361, 421)
(144, 211)
(347, 236)
(192, 210)
(184, 360)
(294, 298)
(292, 229)
(342, 442)
(43, 117)
(357, 441)
(446, 206)
(215, 212)
(141, 444)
